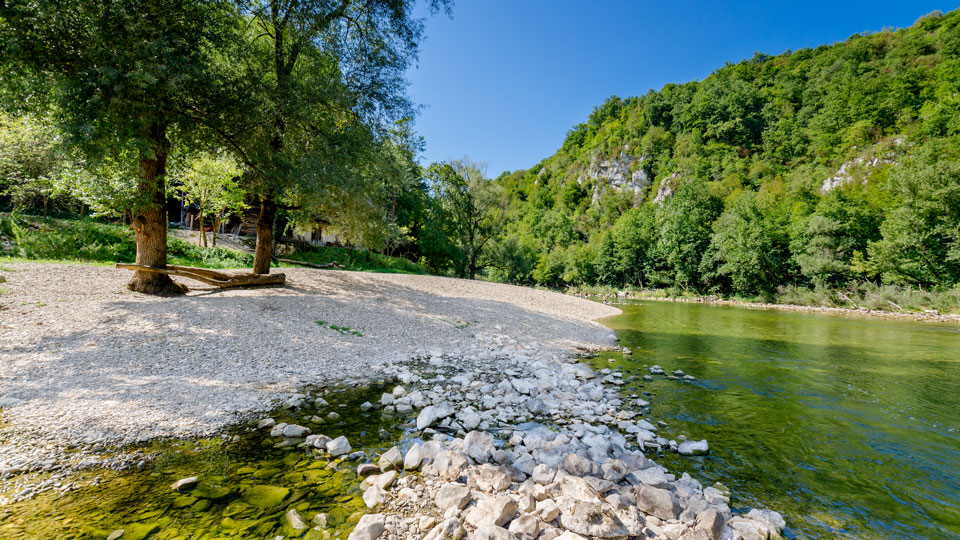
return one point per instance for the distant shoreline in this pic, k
(933, 316)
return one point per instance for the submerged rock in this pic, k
(693, 448)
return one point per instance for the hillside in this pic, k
(816, 169)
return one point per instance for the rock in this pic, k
(320, 519)
(536, 406)
(469, 419)
(399, 392)
(577, 488)
(184, 484)
(295, 431)
(370, 527)
(294, 521)
(492, 532)
(488, 478)
(526, 503)
(432, 414)
(479, 446)
(543, 474)
(768, 517)
(592, 519)
(139, 531)
(548, 510)
(339, 446)
(654, 476)
(656, 370)
(693, 448)
(569, 535)
(391, 460)
(387, 399)
(263, 496)
(525, 527)
(366, 406)
(493, 511)
(266, 423)
(414, 457)
(366, 469)
(450, 529)
(614, 470)
(578, 465)
(452, 496)
(385, 480)
(695, 534)
(374, 496)
(115, 535)
(712, 522)
(656, 502)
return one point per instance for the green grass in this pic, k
(28, 238)
(351, 259)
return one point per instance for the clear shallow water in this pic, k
(850, 427)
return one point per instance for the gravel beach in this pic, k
(85, 361)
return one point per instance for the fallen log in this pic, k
(333, 264)
(212, 277)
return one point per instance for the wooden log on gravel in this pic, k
(212, 277)
(333, 264)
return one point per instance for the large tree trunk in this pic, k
(264, 250)
(150, 221)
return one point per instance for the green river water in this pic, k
(848, 426)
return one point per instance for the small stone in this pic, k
(184, 484)
(693, 448)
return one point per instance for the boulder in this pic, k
(525, 527)
(578, 465)
(656, 502)
(390, 460)
(543, 474)
(592, 519)
(339, 446)
(493, 511)
(432, 414)
(414, 457)
(374, 496)
(654, 476)
(184, 484)
(370, 527)
(452, 496)
(492, 532)
(771, 519)
(295, 431)
(548, 510)
(479, 446)
(450, 529)
(711, 522)
(488, 478)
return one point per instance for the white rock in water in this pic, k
(184, 483)
(399, 392)
(391, 459)
(339, 446)
(769, 517)
(295, 520)
(266, 423)
(387, 399)
(293, 430)
(693, 448)
(656, 370)
(411, 461)
(432, 414)
(370, 527)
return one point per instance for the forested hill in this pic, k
(817, 168)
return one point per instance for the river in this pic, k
(849, 426)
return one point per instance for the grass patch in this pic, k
(343, 330)
(352, 259)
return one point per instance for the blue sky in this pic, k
(503, 81)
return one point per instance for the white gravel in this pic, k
(84, 361)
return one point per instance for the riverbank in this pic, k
(91, 367)
(929, 315)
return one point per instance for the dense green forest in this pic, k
(778, 177)
(817, 168)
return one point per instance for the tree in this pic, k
(128, 75)
(474, 207)
(684, 226)
(210, 181)
(329, 75)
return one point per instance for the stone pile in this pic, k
(524, 445)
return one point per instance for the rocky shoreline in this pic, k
(515, 443)
(928, 316)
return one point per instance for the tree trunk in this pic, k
(202, 241)
(150, 221)
(264, 250)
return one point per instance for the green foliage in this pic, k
(739, 162)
